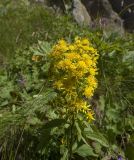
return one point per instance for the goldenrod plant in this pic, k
(73, 67)
(72, 71)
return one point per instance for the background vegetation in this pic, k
(30, 126)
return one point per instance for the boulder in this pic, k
(115, 22)
(80, 13)
(103, 15)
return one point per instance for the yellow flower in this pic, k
(72, 56)
(71, 47)
(88, 92)
(58, 84)
(86, 48)
(60, 65)
(81, 105)
(74, 65)
(92, 71)
(92, 81)
(85, 56)
(61, 46)
(91, 49)
(79, 74)
(77, 40)
(85, 42)
(90, 115)
(67, 63)
(81, 64)
(89, 62)
(84, 106)
(62, 42)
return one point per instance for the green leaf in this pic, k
(65, 155)
(4, 103)
(45, 67)
(97, 137)
(44, 46)
(128, 57)
(74, 146)
(97, 147)
(33, 121)
(129, 122)
(80, 136)
(85, 150)
(79, 131)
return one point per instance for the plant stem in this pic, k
(71, 138)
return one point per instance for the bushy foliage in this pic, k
(46, 103)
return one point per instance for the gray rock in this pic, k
(115, 21)
(80, 13)
(103, 15)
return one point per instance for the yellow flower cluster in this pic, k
(85, 108)
(74, 69)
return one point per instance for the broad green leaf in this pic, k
(97, 137)
(74, 146)
(80, 136)
(65, 155)
(79, 131)
(97, 147)
(85, 151)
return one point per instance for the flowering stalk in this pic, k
(71, 137)
(73, 74)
